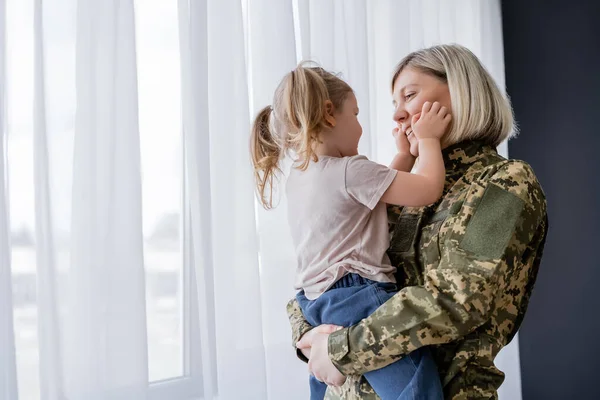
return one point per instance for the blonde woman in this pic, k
(465, 265)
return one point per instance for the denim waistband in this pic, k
(350, 280)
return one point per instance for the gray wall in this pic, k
(552, 56)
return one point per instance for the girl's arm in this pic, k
(403, 162)
(425, 186)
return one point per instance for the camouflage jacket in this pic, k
(466, 266)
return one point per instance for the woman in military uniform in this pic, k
(466, 264)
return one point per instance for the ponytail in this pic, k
(265, 154)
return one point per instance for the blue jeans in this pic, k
(351, 299)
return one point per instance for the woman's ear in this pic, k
(329, 109)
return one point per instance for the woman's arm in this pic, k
(299, 325)
(495, 226)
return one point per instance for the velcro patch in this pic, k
(493, 223)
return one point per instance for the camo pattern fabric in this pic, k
(466, 265)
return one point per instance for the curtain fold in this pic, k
(194, 101)
(48, 324)
(106, 356)
(239, 303)
(8, 367)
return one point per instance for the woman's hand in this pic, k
(319, 364)
(314, 346)
(305, 342)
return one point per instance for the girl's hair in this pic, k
(294, 122)
(479, 109)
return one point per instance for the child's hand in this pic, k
(402, 143)
(432, 122)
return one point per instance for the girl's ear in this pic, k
(329, 118)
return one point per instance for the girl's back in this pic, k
(337, 221)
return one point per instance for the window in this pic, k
(172, 316)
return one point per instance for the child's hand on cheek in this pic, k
(432, 122)
(402, 143)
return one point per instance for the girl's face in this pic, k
(412, 88)
(347, 130)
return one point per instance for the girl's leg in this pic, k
(414, 377)
(350, 300)
(317, 388)
(354, 298)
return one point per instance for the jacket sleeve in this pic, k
(498, 219)
(299, 325)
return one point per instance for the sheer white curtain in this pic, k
(219, 179)
(74, 245)
(8, 370)
(98, 348)
(106, 353)
(132, 253)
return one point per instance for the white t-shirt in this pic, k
(338, 223)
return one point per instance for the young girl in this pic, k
(337, 213)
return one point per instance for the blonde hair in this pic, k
(294, 122)
(479, 109)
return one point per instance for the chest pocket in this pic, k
(435, 228)
(415, 242)
(429, 247)
(403, 246)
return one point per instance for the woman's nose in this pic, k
(400, 115)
